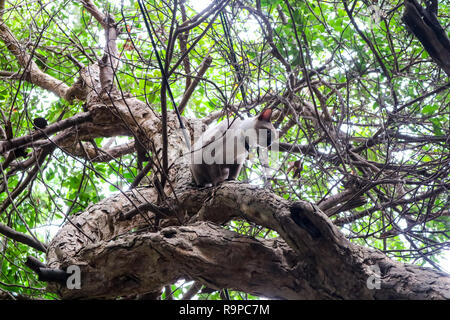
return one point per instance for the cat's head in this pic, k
(265, 131)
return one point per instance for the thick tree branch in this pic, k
(93, 10)
(425, 26)
(32, 73)
(23, 238)
(49, 130)
(95, 154)
(320, 262)
(187, 94)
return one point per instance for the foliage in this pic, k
(354, 90)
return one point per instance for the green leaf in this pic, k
(151, 97)
(437, 127)
(429, 109)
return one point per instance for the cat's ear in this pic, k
(265, 115)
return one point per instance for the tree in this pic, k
(357, 203)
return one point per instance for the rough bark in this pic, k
(425, 26)
(311, 259)
(32, 73)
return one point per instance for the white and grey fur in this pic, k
(228, 143)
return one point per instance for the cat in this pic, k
(220, 152)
